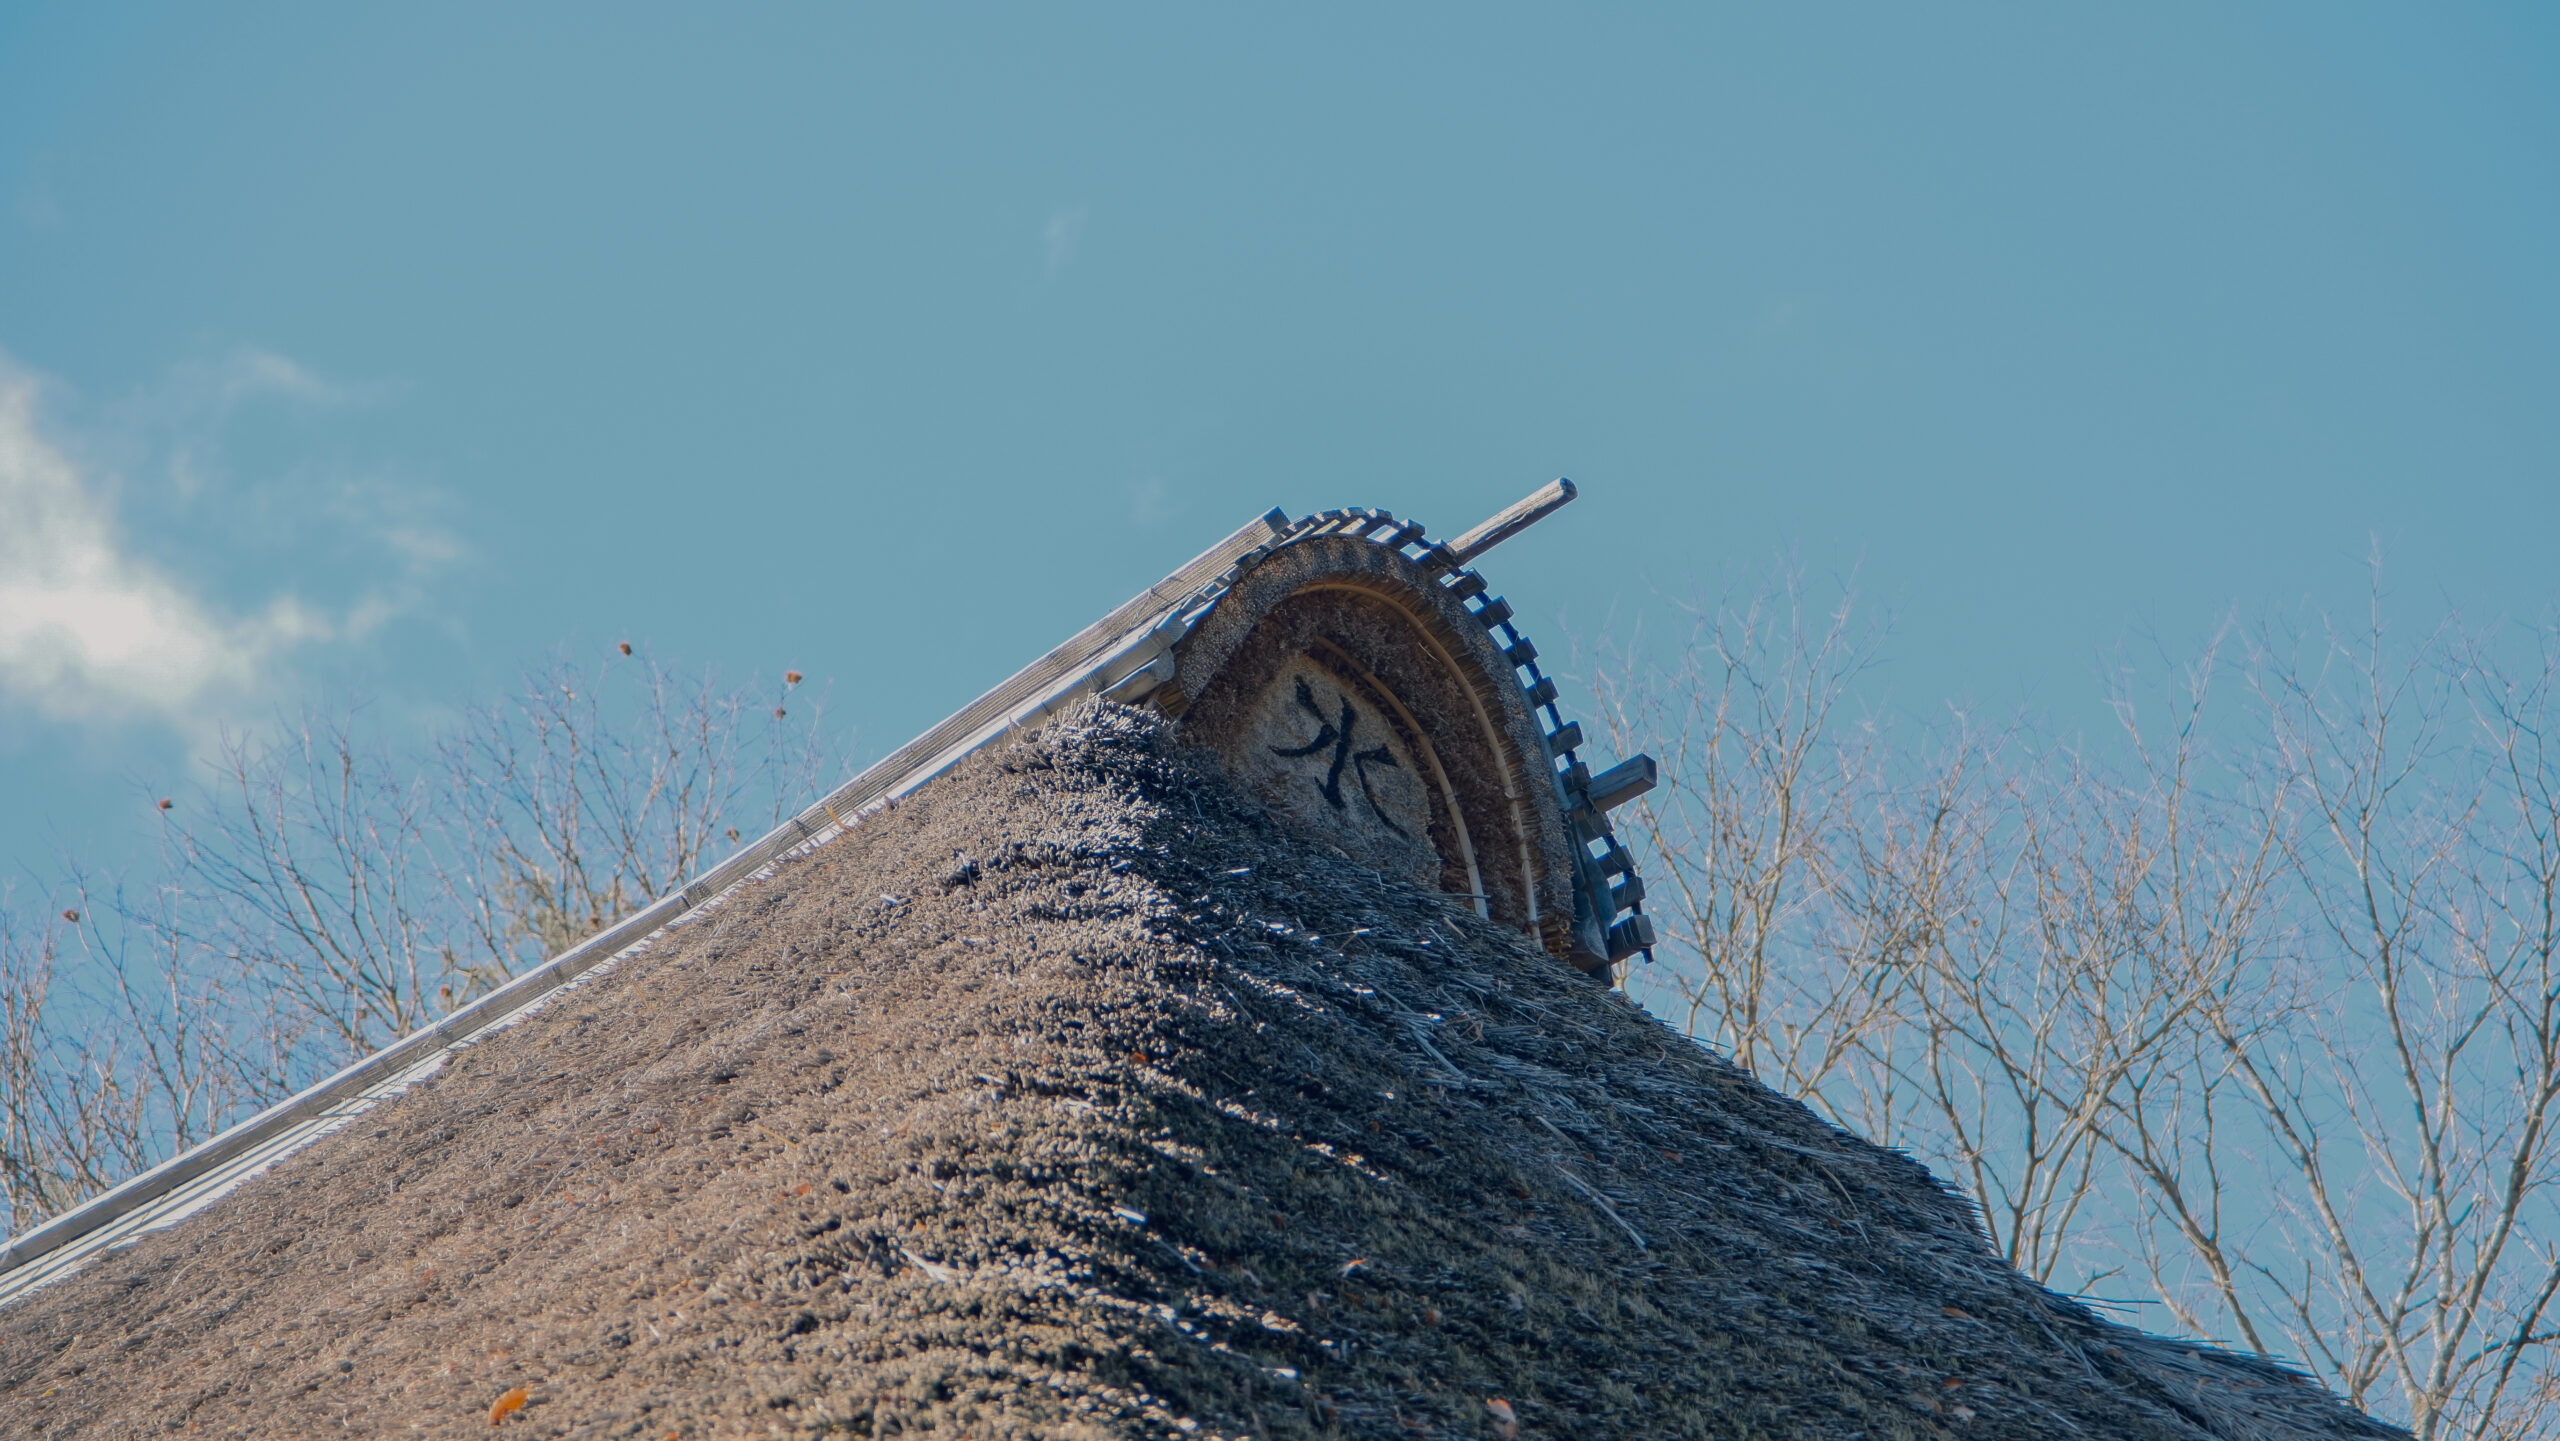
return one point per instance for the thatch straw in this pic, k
(1078, 1098)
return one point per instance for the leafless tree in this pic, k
(48, 1148)
(371, 894)
(315, 870)
(571, 806)
(1761, 794)
(2404, 1105)
(330, 892)
(118, 1044)
(2254, 1005)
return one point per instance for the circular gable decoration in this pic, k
(1352, 688)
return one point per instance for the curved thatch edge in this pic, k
(1517, 802)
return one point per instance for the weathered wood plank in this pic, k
(1545, 501)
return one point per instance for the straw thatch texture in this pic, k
(1076, 1098)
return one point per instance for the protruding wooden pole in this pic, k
(1544, 502)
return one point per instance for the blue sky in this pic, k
(387, 351)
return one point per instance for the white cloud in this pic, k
(1059, 237)
(88, 629)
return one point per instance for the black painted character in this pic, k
(1337, 734)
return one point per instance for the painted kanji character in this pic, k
(1337, 734)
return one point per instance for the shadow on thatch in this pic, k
(1077, 1097)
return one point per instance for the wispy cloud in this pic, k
(91, 628)
(403, 520)
(1058, 239)
(1147, 501)
(176, 426)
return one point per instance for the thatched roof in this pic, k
(1079, 1097)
